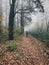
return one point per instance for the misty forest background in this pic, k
(24, 32)
(20, 16)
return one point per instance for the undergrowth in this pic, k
(12, 47)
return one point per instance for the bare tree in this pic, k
(27, 9)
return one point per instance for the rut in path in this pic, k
(33, 51)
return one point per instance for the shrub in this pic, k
(12, 47)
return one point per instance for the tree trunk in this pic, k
(11, 20)
(22, 22)
(0, 26)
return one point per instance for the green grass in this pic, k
(43, 36)
(4, 35)
(12, 47)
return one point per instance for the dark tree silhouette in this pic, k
(11, 20)
(0, 26)
(22, 22)
(0, 17)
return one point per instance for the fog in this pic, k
(40, 18)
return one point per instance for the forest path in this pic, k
(33, 49)
(30, 52)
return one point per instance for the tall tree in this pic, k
(0, 16)
(11, 20)
(32, 5)
(0, 26)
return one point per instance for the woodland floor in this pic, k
(30, 51)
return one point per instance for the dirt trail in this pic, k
(33, 51)
(30, 53)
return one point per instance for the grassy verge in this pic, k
(43, 36)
